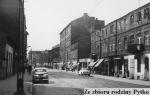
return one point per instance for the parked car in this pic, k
(40, 74)
(84, 71)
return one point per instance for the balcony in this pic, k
(136, 48)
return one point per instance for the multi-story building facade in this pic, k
(125, 44)
(75, 40)
(38, 58)
(97, 25)
(54, 57)
(12, 37)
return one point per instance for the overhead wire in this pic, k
(95, 6)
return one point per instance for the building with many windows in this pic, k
(125, 45)
(13, 37)
(38, 58)
(54, 57)
(75, 40)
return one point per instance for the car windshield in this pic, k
(40, 70)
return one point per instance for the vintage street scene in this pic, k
(62, 47)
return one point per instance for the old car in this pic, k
(84, 71)
(40, 74)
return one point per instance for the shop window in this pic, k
(139, 16)
(131, 19)
(146, 13)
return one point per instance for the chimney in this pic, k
(85, 14)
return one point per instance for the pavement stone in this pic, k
(120, 79)
(9, 85)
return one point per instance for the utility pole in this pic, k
(116, 42)
(100, 43)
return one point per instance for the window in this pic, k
(139, 16)
(106, 31)
(146, 13)
(146, 38)
(131, 19)
(120, 26)
(111, 29)
(113, 47)
(132, 39)
(119, 44)
(125, 42)
(139, 38)
(125, 22)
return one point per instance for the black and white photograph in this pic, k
(74, 47)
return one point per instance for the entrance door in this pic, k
(126, 71)
(146, 76)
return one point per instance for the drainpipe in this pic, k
(116, 63)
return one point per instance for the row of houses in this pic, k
(13, 37)
(125, 44)
(120, 48)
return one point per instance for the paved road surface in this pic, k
(66, 83)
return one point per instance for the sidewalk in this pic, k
(127, 80)
(9, 85)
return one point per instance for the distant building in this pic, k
(75, 39)
(38, 58)
(54, 56)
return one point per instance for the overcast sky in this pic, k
(47, 18)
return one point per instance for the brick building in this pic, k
(125, 45)
(75, 40)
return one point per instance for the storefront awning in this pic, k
(93, 63)
(99, 62)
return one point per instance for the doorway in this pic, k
(146, 76)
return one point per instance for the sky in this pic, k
(45, 19)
